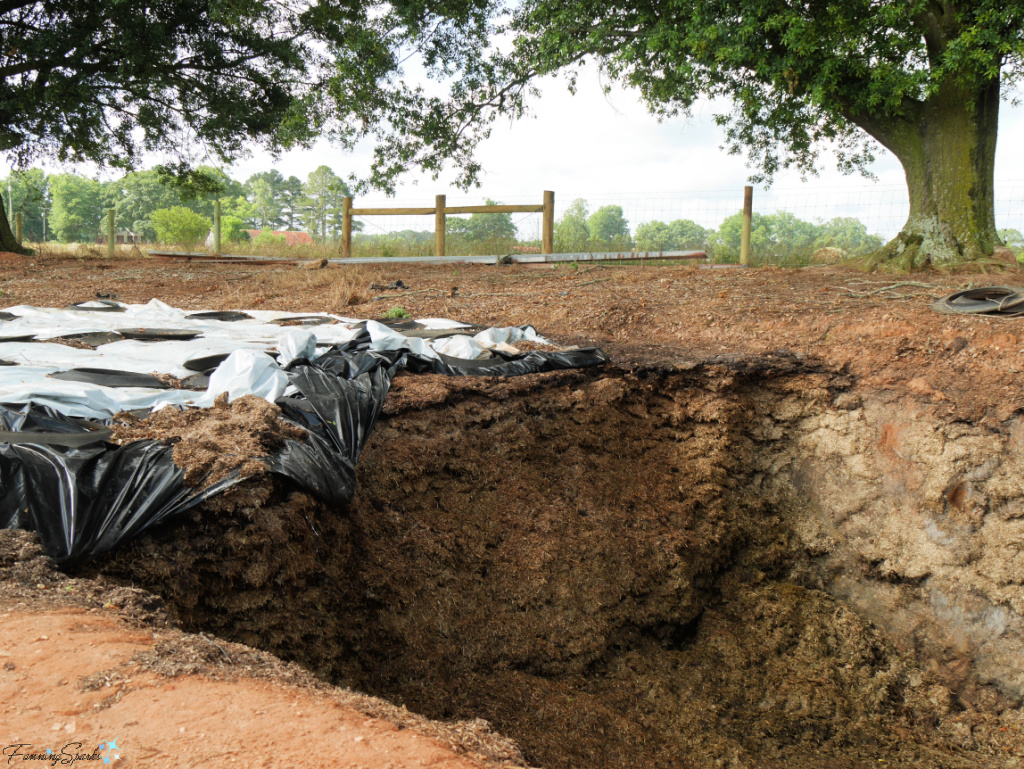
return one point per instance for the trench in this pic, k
(667, 567)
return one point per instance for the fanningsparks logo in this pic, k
(67, 755)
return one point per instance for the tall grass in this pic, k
(52, 250)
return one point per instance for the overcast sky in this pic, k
(584, 143)
(610, 149)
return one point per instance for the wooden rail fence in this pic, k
(440, 211)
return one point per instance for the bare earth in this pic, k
(84, 663)
(171, 721)
(879, 326)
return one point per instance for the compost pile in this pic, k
(584, 561)
(61, 477)
(600, 562)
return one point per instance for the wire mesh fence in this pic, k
(793, 226)
(466, 235)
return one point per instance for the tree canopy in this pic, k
(608, 229)
(101, 81)
(29, 197)
(796, 73)
(86, 80)
(266, 205)
(571, 232)
(493, 232)
(135, 197)
(321, 202)
(679, 235)
(77, 207)
(180, 225)
(922, 78)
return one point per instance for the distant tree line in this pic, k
(146, 205)
(478, 233)
(777, 237)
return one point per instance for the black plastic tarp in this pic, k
(84, 499)
(62, 478)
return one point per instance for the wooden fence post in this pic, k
(439, 225)
(548, 236)
(441, 209)
(216, 226)
(110, 233)
(346, 228)
(748, 213)
(17, 227)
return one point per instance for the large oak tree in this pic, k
(923, 78)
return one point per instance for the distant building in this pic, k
(121, 237)
(291, 237)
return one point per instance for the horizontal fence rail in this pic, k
(440, 211)
(447, 210)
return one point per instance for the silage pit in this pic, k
(586, 560)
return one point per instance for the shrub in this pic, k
(179, 225)
(232, 229)
(268, 238)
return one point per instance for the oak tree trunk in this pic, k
(947, 146)
(7, 240)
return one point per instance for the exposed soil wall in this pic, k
(738, 564)
(918, 523)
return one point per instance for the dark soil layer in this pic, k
(576, 557)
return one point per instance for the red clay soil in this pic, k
(162, 721)
(82, 665)
(83, 668)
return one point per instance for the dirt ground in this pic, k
(83, 663)
(878, 326)
(138, 674)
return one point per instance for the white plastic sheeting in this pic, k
(257, 349)
(245, 372)
(295, 346)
